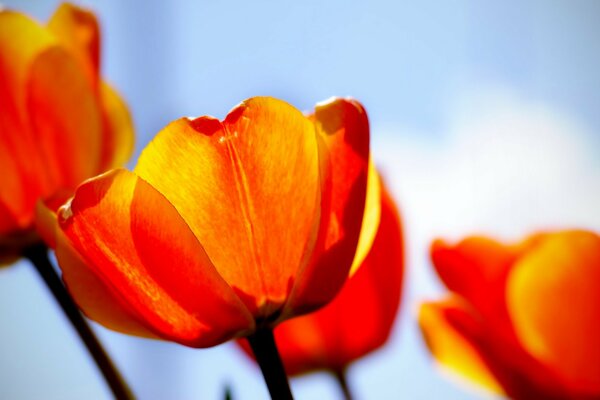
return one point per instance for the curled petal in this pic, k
(249, 189)
(554, 301)
(135, 242)
(343, 130)
(371, 218)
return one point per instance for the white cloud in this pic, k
(505, 166)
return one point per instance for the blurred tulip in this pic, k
(59, 122)
(359, 319)
(225, 227)
(523, 320)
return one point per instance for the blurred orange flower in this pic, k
(360, 318)
(523, 320)
(59, 122)
(225, 226)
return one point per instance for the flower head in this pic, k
(59, 122)
(523, 319)
(360, 318)
(224, 226)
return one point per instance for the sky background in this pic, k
(484, 119)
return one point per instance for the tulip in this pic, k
(522, 320)
(225, 228)
(60, 123)
(359, 319)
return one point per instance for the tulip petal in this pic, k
(554, 301)
(65, 118)
(249, 190)
(134, 240)
(476, 268)
(451, 348)
(344, 131)
(77, 29)
(93, 296)
(371, 217)
(359, 319)
(23, 176)
(118, 136)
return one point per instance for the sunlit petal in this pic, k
(148, 256)
(249, 190)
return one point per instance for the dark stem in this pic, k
(38, 255)
(265, 351)
(340, 376)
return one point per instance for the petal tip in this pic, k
(336, 101)
(206, 125)
(438, 246)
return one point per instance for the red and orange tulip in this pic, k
(225, 226)
(523, 320)
(360, 318)
(59, 122)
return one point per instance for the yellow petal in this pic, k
(554, 301)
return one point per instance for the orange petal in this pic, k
(344, 130)
(77, 29)
(118, 137)
(23, 177)
(134, 240)
(554, 301)
(476, 268)
(450, 347)
(65, 117)
(361, 316)
(95, 298)
(248, 188)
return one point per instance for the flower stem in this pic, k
(38, 255)
(340, 376)
(265, 351)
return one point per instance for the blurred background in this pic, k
(485, 118)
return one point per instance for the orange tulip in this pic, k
(224, 227)
(359, 319)
(523, 320)
(59, 122)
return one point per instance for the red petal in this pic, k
(360, 318)
(133, 239)
(344, 131)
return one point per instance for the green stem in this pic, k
(265, 351)
(38, 255)
(340, 376)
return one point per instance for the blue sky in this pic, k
(456, 91)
